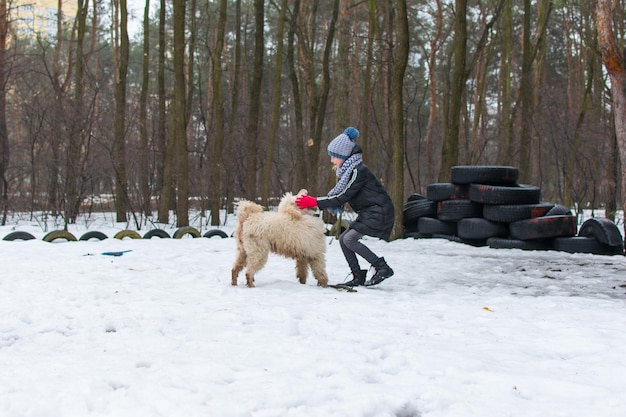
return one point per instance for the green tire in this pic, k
(59, 234)
(127, 234)
(186, 230)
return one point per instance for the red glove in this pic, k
(306, 202)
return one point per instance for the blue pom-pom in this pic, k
(352, 133)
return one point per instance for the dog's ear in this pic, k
(293, 211)
(288, 207)
(302, 192)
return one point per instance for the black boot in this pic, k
(358, 278)
(383, 271)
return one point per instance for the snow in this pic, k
(457, 331)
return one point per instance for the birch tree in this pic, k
(615, 63)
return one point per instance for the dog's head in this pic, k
(288, 205)
(310, 211)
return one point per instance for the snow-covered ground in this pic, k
(458, 331)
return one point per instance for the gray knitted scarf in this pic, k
(344, 172)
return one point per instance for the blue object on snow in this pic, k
(120, 253)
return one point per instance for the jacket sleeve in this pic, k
(353, 187)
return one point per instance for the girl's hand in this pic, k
(306, 202)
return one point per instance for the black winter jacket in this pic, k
(367, 197)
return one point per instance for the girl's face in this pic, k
(337, 162)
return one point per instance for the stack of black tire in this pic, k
(485, 206)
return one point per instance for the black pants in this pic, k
(350, 242)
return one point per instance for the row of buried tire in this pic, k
(485, 206)
(131, 234)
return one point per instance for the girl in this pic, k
(358, 186)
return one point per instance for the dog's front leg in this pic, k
(318, 267)
(249, 280)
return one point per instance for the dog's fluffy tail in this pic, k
(245, 209)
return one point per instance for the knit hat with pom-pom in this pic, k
(341, 147)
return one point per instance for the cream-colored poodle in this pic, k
(290, 232)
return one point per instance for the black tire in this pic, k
(479, 228)
(94, 234)
(603, 229)
(412, 222)
(585, 244)
(430, 226)
(497, 194)
(216, 233)
(160, 233)
(543, 227)
(416, 235)
(447, 191)
(559, 210)
(471, 242)
(18, 236)
(415, 197)
(59, 234)
(415, 209)
(131, 234)
(451, 238)
(454, 210)
(503, 243)
(475, 242)
(508, 213)
(495, 175)
(411, 227)
(186, 230)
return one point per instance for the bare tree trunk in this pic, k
(255, 100)
(543, 15)
(276, 102)
(218, 106)
(164, 160)
(571, 195)
(340, 80)
(367, 78)
(121, 53)
(60, 85)
(476, 143)
(178, 131)
(615, 64)
(301, 169)
(234, 108)
(144, 176)
(189, 76)
(319, 106)
(432, 88)
(74, 148)
(526, 96)
(505, 148)
(450, 148)
(190, 60)
(399, 63)
(4, 136)
(613, 174)
(530, 51)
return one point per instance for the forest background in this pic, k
(212, 101)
